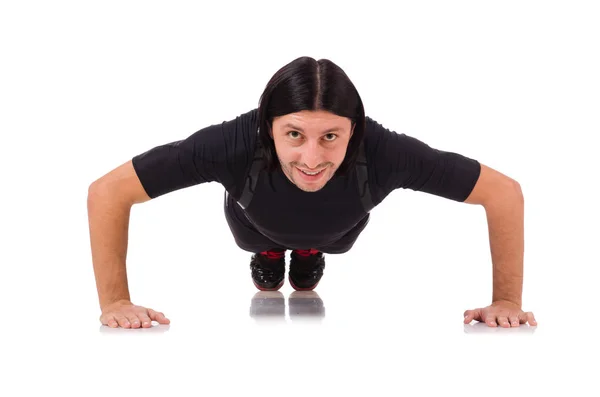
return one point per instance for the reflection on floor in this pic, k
(302, 305)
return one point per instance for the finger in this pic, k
(158, 316)
(133, 319)
(531, 319)
(473, 315)
(111, 322)
(503, 321)
(122, 320)
(524, 317)
(491, 321)
(514, 320)
(469, 316)
(146, 322)
(108, 319)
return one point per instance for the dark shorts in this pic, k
(249, 239)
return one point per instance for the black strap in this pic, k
(362, 177)
(257, 164)
(252, 177)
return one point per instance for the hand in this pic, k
(504, 313)
(128, 315)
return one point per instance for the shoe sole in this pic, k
(302, 289)
(269, 289)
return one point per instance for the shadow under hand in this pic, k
(483, 328)
(156, 328)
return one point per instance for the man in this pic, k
(302, 172)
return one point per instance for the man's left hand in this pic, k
(503, 313)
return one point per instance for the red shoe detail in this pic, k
(273, 254)
(307, 252)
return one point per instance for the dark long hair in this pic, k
(308, 84)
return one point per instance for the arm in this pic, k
(503, 201)
(417, 166)
(109, 203)
(217, 153)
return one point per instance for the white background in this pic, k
(85, 86)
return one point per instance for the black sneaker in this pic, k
(268, 270)
(306, 270)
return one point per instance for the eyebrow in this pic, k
(289, 125)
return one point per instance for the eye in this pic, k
(332, 137)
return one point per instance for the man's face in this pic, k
(311, 141)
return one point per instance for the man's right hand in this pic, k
(127, 315)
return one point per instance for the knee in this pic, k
(334, 250)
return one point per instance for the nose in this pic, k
(312, 155)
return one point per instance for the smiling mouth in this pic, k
(311, 173)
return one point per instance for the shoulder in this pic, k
(381, 141)
(386, 144)
(233, 136)
(247, 120)
(242, 123)
(376, 133)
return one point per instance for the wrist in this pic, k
(513, 302)
(115, 302)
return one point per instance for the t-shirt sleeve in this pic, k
(404, 162)
(217, 153)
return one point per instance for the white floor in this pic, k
(84, 89)
(387, 316)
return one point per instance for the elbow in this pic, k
(96, 187)
(95, 193)
(100, 190)
(516, 187)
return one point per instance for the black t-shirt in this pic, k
(279, 210)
